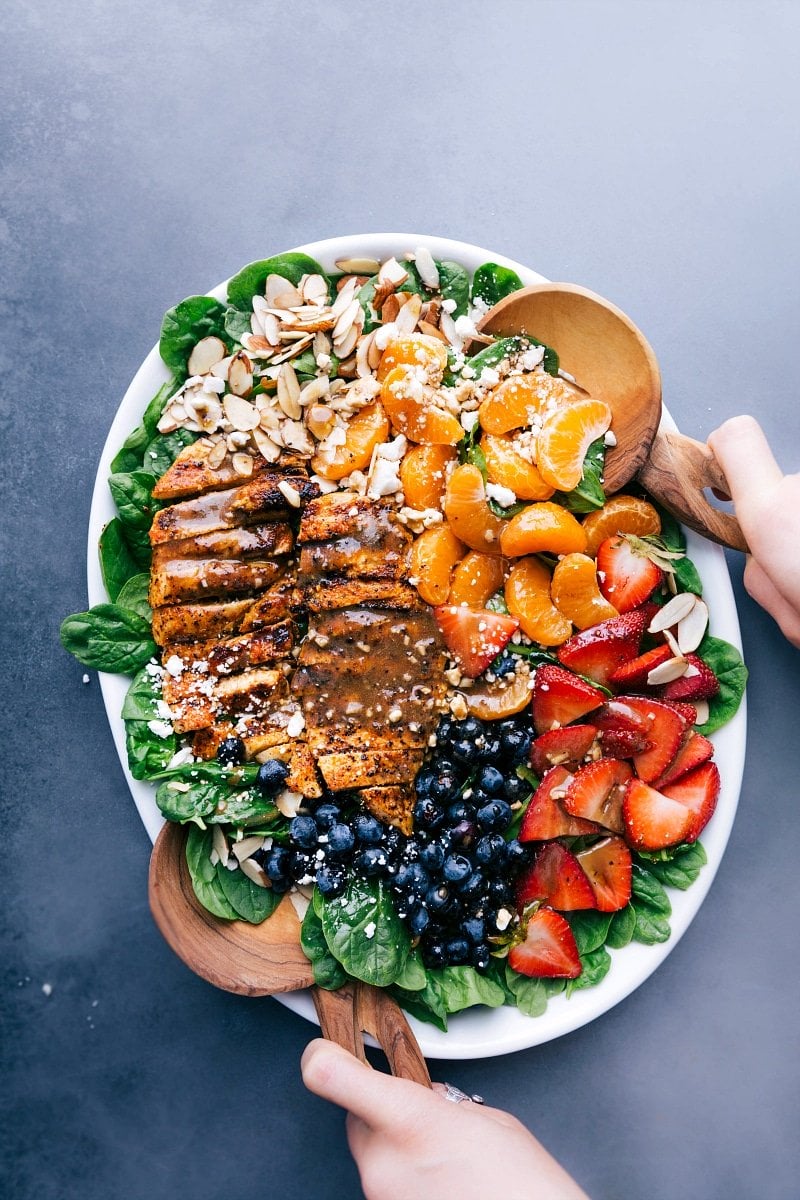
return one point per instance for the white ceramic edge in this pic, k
(477, 1033)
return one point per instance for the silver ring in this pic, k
(456, 1095)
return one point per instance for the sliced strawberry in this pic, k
(698, 792)
(555, 876)
(664, 727)
(633, 675)
(546, 818)
(699, 682)
(623, 743)
(654, 821)
(474, 636)
(563, 747)
(609, 869)
(549, 950)
(694, 751)
(687, 711)
(560, 697)
(626, 574)
(595, 792)
(601, 649)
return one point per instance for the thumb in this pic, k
(380, 1100)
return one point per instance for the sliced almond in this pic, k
(322, 344)
(320, 419)
(374, 354)
(672, 612)
(703, 711)
(392, 272)
(358, 266)
(296, 348)
(432, 331)
(692, 628)
(672, 642)
(246, 847)
(280, 293)
(345, 346)
(253, 871)
(428, 271)
(406, 320)
(362, 355)
(296, 437)
(315, 390)
(242, 415)
(207, 352)
(665, 672)
(300, 903)
(243, 464)
(205, 411)
(288, 802)
(220, 369)
(291, 494)
(390, 307)
(240, 374)
(289, 391)
(266, 446)
(344, 299)
(217, 454)
(345, 320)
(220, 844)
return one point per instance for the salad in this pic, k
(394, 652)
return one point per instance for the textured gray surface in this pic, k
(647, 150)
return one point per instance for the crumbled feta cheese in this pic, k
(85, 679)
(162, 729)
(174, 665)
(384, 480)
(449, 306)
(297, 724)
(503, 919)
(469, 420)
(501, 495)
(489, 377)
(609, 438)
(369, 930)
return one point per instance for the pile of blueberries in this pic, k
(452, 879)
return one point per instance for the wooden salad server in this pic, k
(611, 360)
(260, 960)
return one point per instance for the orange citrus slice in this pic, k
(476, 578)
(508, 468)
(620, 514)
(366, 430)
(527, 594)
(521, 400)
(423, 474)
(412, 410)
(543, 528)
(415, 350)
(503, 698)
(564, 438)
(576, 593)
(433, 556)
(468, 512)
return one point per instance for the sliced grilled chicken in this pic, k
(193, 622)
(191, 474)
(273, 540)
(254, 502)
(180, 579)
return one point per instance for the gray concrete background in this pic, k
(647, 150)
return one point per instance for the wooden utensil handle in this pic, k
(676, 473)
(356, 1009)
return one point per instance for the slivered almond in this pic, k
(246, 847)
(240, 374)
(207, 352)
(241, 413)
(266, 447)
(290, 494)
(428, 271)
(406, 319)
(672, 612)
(243, 464)
(253, 871)
(692, 628)
(392, 272)
(280, 293)
(216, 454)
(220, 844)
(665, 672)
(358, 266)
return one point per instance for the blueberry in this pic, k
(490, 780)
(504, 664)
(464, 750)
(428, 814)
(303, 832)
(463, 834)
(231, 751)
(331, 879)
(472, 888)
(494, 815)
(340, 840)
(516, 854)
(490, 750)
(301, 865)
(470, 728)
(432, 856)
(434, 955)
(393, 841)
(419, 921)
(481, 956)
(521, 751)
(516, 790)
(444, 730)
(512, 738)
(326, 816)
(474, 928)
(461, 810)
(457, 950)
(371, 861)
(499, 892)
(412, 878)
(443, 785)
(491, 851)
(456, 867)
(368, 829)
(271, 775)
(277, 863)
(437, 898)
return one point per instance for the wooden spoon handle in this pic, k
(676, 473)
(355, 1009)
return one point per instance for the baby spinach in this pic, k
(686, 574)
(589, 494)
(491, 283)
(328, 973)
(161, 452)
(595, 966)
(130, 456)
(678, 867)
(132, 492)
(454, 285)
(118, 562)
(652, 907)
(148, 754)
(589, 929)
(726, 663)
(183, 327)
(530, 995)
(250, 902)
(413, 977)
(215, 795)
(237, 323)
(507, 347)
(252, 279)
(622, 927)
(203, 874)
(108, 638)
(133, 596)
(142, 697)
(364, 932)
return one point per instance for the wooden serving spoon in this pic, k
(261, 960)
(611, 359)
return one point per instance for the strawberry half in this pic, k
(633, 675)
(694, 751)
(595, 793)
(609, 868)
(546, 818)
(698, 792)
(623, 743)
(654, 821)
(560, 697)
(687, 711)
(664, 727)
(549, 950)
(626, 573)
(699, 682)
(600, 650)
(564, 747)
(474, 636)
(555, 877)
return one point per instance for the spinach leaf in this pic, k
(132, 492)
(161, 452)
(131, 454)
(726, 663)
(491, 283)
(652, 907)
(589, 494)
(328, 973)
(364, 932)
(686, 574)
(531, 995)
(508, 347)
(454, 285)
(142, 697)
(216, 797)
(425, 1005)
(678, 868)
(185, 325)
(649, 927)
(589, 929)
(148, 754)
(622, 927)
(252, 279)
(108, 638)
(133, 596)
(204, 875)
(413, 976)
(237, 323)
(118, 563)
(595, 965)
(251, 902)
(464, 987)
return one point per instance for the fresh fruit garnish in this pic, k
(687, 710)
(549, 950)
(412, 410)
(620, 514)
(559, 697)
(366, 430)
(623, 743)
(423, 474)
(694, 751)
(504, 698)
(506, 467)
(476, 579)
(527, 596)
(654, 821)
(698, 791)
(664, 727)
(468, 513)
(595, 792)
(542, 528)
(474, 636)
(555, 877)
(563, 747)
(634, 674)
(576, 594)
(628, 576)
(600, 650)
(699, 682)
(520, 400)
(427, 355)
(433, 557)
(564, 438)
(546, 817)
(609, 869)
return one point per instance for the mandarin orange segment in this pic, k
(527, 594)
(423, 474)
(433, 556)
(415, 350)
(508, 468)
(476, 578)
(503, 698)
(620, 514)
(543, 529)
(522, 400)
(576, 594)
(412, 410)
(564, 438)
(366, 430)
(468, 512)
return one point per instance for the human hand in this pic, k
(767, 505)
(412, 1144)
